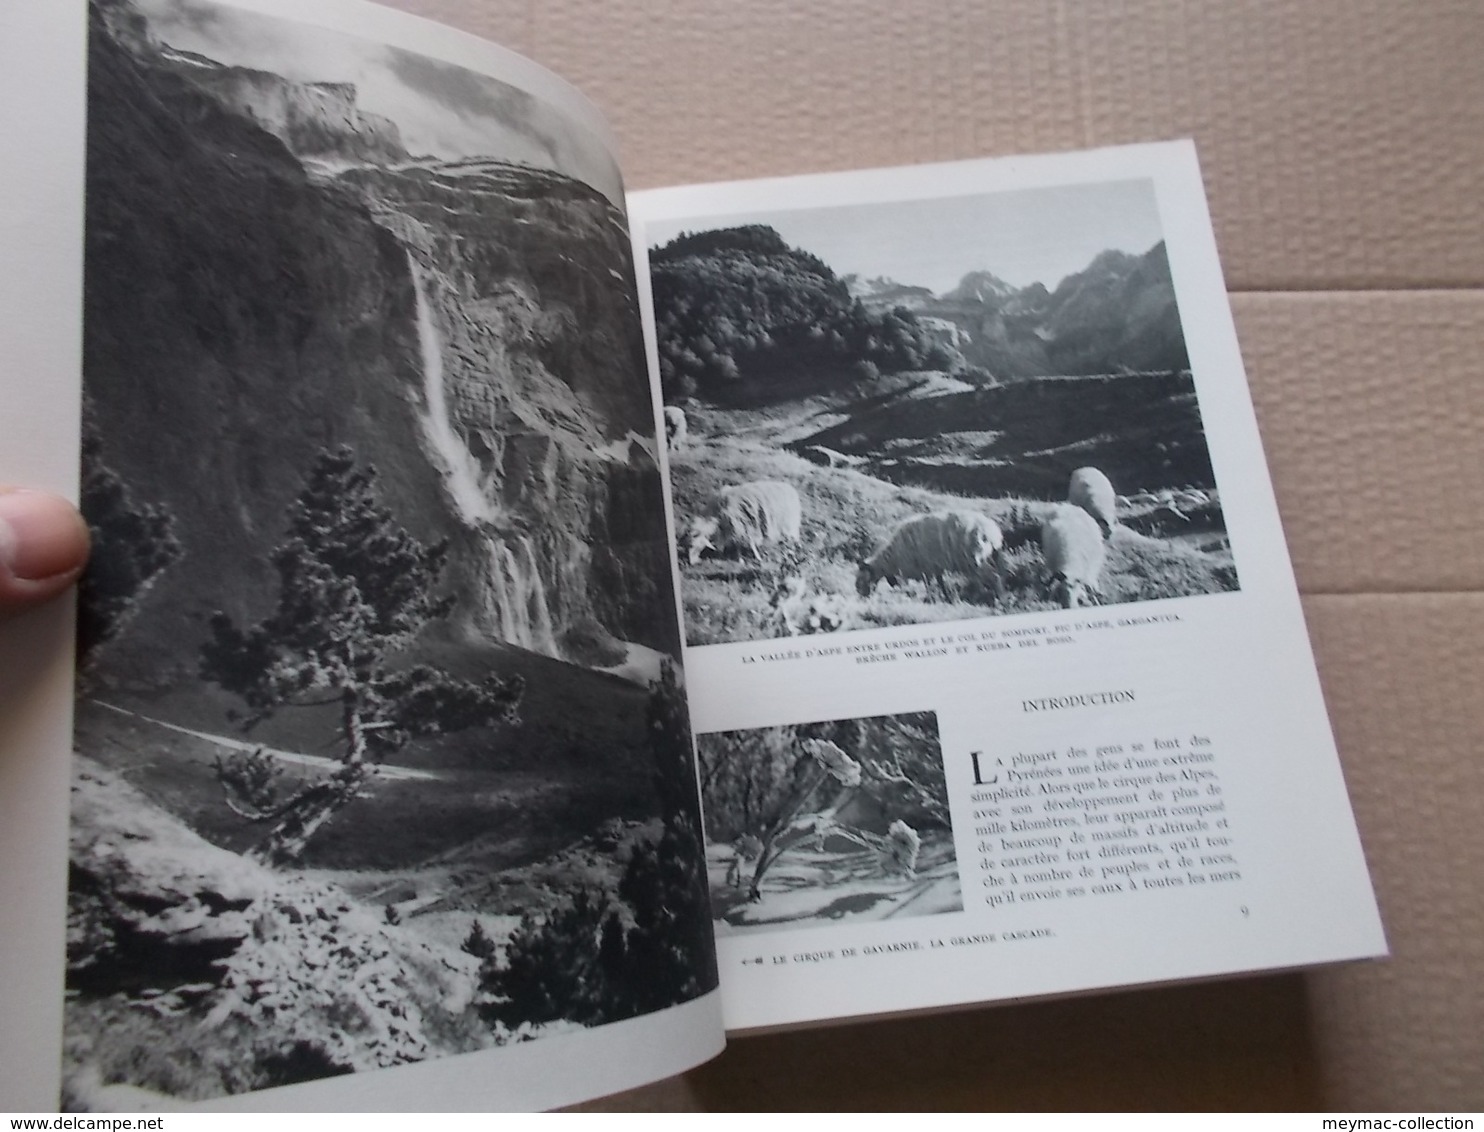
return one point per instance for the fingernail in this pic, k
(41, 535)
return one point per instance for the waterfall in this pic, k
(522, 611)
(461, 471)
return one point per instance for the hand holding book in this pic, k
(43, 546)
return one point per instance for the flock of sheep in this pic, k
(745, 518)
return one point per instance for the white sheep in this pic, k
(746, 517)
(675, 427)
(1090, 490)
(929, 546)
(1072, 544)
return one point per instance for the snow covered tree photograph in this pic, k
(832, 822)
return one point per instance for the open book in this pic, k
(384, 792)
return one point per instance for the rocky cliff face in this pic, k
(883, 293)
(318, 120)
(168, 935)
(1119, 313)
(237, 319)
(241, 316)
(531, 359)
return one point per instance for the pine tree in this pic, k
(670, 954)
(355, 588)
(600, 957)
(133, 543)
(478, 942)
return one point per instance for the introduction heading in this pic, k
(1083, 699)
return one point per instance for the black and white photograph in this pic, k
(817, 824)
(884, 414)
(382, 751)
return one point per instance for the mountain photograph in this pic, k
(931, 410)
(381, 745)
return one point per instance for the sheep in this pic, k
(748, 517)
(1072, 544)
(929, 546)
(675, 427)
(1090, 490)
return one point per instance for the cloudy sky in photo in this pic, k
(441, 109)
(1026, 236)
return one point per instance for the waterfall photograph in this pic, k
(381, 745)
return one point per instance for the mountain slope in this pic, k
(242, 316)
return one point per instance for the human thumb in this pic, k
(43, 547)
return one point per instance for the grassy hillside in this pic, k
(920, 435)
(583, 759)
(1142, 430)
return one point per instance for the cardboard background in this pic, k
(1341, 144)
(1341, 147)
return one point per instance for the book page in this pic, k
(997, 665)
(382, 789)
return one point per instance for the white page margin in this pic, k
(1324, 912)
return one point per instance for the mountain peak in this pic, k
(980, 286)
(884, 292)
(1111, 262)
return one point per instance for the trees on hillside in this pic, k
(133, 543)
(597, 958)
(354, 589)
(902, 760)
(737, 303)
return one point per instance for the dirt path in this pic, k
(385, 771)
